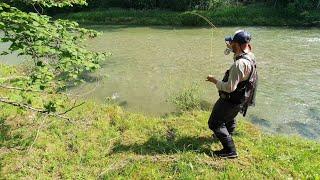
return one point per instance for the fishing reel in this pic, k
(227, 51)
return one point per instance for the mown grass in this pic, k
(254, 15)
(106, 142)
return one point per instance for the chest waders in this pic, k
(246, 90)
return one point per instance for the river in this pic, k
(151, 63)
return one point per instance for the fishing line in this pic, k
(213, 27)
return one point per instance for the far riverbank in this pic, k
(227, 16)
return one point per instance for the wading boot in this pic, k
(229, 149)
(214, 137)
(226, 154)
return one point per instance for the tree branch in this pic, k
(13, 78)
(34, 7)
(16, 104)
(17, 88)
(38, 110)
(275, 3)
(75, 106)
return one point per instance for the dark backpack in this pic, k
(251, 88)
(246, 90)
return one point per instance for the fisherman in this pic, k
(236, 91)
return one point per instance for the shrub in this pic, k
(188, 99)
(175, 5)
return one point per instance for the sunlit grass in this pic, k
(107, 142)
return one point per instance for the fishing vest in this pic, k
(246, 90)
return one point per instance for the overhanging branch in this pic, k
(38, 110)
(17, 88)
(24, 106)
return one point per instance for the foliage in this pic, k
(58, 56)
(176, 5)
(188, 99)
(52, 45)
(107, 143)
(253, 15)
(295, 7)
(42, 101)
(52, 3)
(183, 5)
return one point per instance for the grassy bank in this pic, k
(253, 15)
(106, 142)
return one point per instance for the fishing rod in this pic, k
(213, 27)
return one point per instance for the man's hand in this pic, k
(210, 78)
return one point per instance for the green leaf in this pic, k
(4, 53)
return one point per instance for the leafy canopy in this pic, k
(54, 46)
(55, 3)
(55, 49)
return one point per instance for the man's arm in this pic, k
(235, 77)
(237, 73)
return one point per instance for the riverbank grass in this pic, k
(104, 141)
(253, 15)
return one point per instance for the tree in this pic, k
(54, 46)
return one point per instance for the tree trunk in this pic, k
(275, 3)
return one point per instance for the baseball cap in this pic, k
(240, 36)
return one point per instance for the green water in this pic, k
(150, 63)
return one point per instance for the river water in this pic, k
(151, 63)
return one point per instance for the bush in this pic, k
(188, 19)
(175, 5)
(188, 99)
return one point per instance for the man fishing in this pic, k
(236, 91)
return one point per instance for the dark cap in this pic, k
(240, 36)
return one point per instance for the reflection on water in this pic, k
(261, 122)
(150, 63)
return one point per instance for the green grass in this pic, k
(254, 15)
(104, 141)
(107, 142)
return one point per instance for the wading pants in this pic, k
(222, 122)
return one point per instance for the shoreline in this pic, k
(267, 17)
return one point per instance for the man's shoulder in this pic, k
(242, 62)
(246, 59)
(249, 57)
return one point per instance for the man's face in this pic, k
(232, 45)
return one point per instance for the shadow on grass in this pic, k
(168, 146)
(4, 131)
(11, 140)
(203, 106)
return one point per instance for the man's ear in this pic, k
(246, 48)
